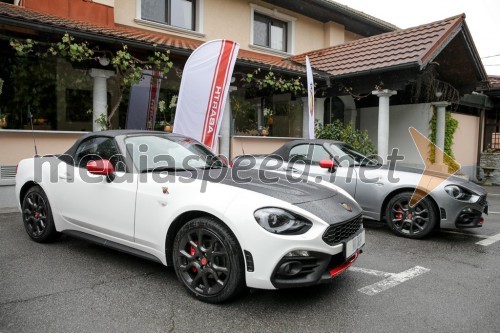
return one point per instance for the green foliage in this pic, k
(270, 81)
(73, 51)
(102, 121)
(359, 140)
(23, 48)
(449, 134)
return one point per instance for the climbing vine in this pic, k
(128, 68)
(451, 127)
(273, 82)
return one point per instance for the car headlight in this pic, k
(280, 221)
(458, 192)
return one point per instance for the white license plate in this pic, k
(354, 244)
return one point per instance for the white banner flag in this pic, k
(310, 97)
(204, 87)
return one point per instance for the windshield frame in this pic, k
(129, 148)
(350, 151)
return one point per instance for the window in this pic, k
(270, 32)
(178, 13)
(309, 154)
(99, 148)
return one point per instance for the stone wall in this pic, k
(491, 160)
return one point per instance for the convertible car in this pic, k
(167, 198)
(383, 194)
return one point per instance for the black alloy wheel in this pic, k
(208, 261)
(410, 222)
(37, 216)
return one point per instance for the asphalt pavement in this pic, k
(445, 283)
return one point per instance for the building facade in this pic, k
(356, 58)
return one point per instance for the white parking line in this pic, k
(489, 240)
(370, 271)
(393, 279)
(493, 212)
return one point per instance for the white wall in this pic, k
(401, 117)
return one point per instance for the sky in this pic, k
(482, 18)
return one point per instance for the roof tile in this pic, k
(400, 47)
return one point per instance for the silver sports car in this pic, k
(384, 193)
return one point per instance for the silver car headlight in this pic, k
(458, 192)
(280, 221)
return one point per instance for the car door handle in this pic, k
(66, 177)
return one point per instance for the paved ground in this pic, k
(75, 286)
(7, 197)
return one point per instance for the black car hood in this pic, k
(324, 202)
(295, 191)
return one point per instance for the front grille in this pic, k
(338, 232)
(482, 200)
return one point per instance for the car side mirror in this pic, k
(327, 164)
(102, 167)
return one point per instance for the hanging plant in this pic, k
(272, 82)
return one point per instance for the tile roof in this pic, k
(26, 17)
(413, 46)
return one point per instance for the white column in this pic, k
(440, 128)
(225, 129)
(319, 109)
(100, 94)
(383, 121)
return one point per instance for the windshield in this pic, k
(162, 153)
(344, 152)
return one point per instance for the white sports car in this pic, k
(168, 198)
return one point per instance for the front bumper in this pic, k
(315, 269)
(463, 214)
(301, 271)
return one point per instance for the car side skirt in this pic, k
(112, 245)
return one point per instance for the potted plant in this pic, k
(162, 107)
(3, 120)
(268, 121)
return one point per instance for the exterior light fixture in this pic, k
(439, 94)
(104, 61)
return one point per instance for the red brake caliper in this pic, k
(192, 252)
(399, 216)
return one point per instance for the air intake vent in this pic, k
(7, 174)
(249, 259)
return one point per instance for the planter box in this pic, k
(491, 160)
